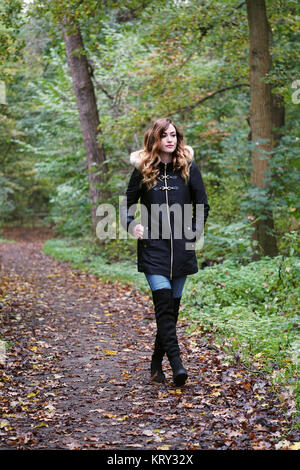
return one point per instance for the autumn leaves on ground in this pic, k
(76, 370)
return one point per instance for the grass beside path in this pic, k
(82, 256)
(252, 310)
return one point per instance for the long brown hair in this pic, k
(149, 165)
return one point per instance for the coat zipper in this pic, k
(169, 219)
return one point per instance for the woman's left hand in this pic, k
(138, 231)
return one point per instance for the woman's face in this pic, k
(169, 140)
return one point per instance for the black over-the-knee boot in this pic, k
(176, 305)
(157, 374)
(166, 329)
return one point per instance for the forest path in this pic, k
(76, 374)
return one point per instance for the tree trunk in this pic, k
(88, 113)
(261, 117)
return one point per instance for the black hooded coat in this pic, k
(173, 214)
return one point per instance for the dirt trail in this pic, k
(76, 375)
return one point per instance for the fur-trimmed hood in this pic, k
(135, 157)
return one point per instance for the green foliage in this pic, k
(231, 241)
(71, 209)
(253, 310)
(149, 59)
(10, 24)
(3, 240)
(86, 255)
(6, 205)
(290, 244)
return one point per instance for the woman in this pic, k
(166, 180)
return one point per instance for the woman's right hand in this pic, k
(138, 231)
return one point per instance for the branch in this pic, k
(101, 87)
(98, 84)
(239, 6)
(210, 95)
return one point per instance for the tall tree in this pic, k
(87, 108)
(68, 15)
(261, 117)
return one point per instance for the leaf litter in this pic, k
(76, 373)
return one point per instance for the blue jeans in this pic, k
(156, 281)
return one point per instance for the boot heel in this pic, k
(157, 374)
(179, 372)
(180, 376)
